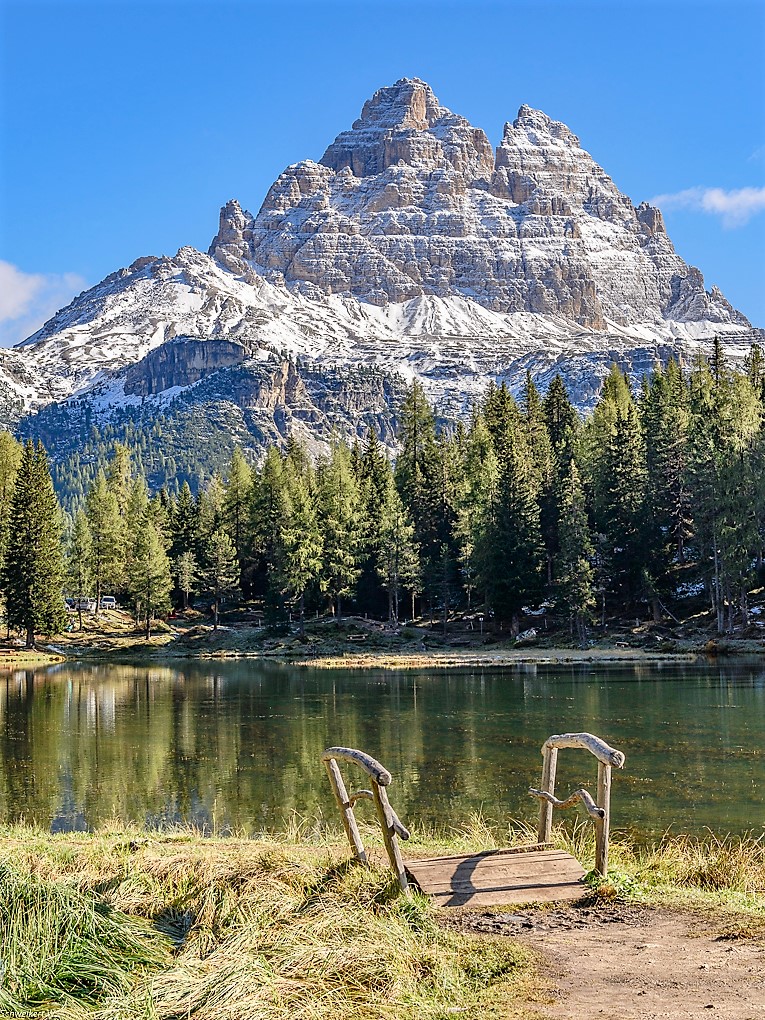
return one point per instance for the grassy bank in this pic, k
(129, 924)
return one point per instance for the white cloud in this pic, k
(27, 300)
(735, 207)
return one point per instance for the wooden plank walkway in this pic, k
(496, 877)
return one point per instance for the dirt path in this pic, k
(631, 963)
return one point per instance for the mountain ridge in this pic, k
(413, 248)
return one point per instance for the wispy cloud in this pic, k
(735, 207)
(27, 300)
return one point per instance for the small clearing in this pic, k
(636, 963)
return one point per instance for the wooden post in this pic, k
(602, 824)
(549, 767)
(389, 835)
(346, 809)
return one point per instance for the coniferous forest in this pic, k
(658, 493)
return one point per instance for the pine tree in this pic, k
(375, 475)
(267, 514)
(476, 493)
(726, 423)
(537, 437)
(562, 421)
(106, 529)
(236, 506)
(33, 571)
(510, 551)
(340, 526)
(621, 506)
(79, 559)
(220, 569)
(184, 522)
(10, 458)
(397, 560)
(149, 578)
(575, 574)
(186, 574)
(414, 465)
(300, 560)
(665, 418)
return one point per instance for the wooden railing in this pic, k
(599, 809)
(389, 821)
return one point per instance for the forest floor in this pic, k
(124, 923)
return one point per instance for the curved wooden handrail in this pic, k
(602, 751)
(371, 766)
(390, 823)
(584, 795)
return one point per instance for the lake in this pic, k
(237, 745)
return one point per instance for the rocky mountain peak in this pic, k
(405, 123)
(409, 103)
(534, 127)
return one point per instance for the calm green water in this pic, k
(238, 745)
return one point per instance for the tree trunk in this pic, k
(216, 605)
(302, 615)
(30, 637)
(515, 625)
(148, 625)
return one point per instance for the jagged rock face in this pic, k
(180, 363)
(411, 201)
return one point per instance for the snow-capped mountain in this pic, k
(410, 249)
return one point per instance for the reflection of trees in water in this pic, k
(238, 744)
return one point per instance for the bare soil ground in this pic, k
(637, 963)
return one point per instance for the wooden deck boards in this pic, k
(496, 877)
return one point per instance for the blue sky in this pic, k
(125, 126)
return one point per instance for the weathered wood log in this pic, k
(346, 809)
(549, 766)
(583, 795)
(603, 825)
(602, 751)
(398, 825)
(371, 766)
(386, 815)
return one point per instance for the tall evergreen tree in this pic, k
(299, 562)
(511, 553)
(186, 570)
(220, 569)
(34, 571)
(149, 578)
(476, 492)
(397, 560)
(665, 417)
(10, 457)
(106, 529)
(340, 523)
(79, 558)
(184, 522)
(575, 574)
(236, 507)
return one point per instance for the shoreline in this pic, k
(371, 659)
